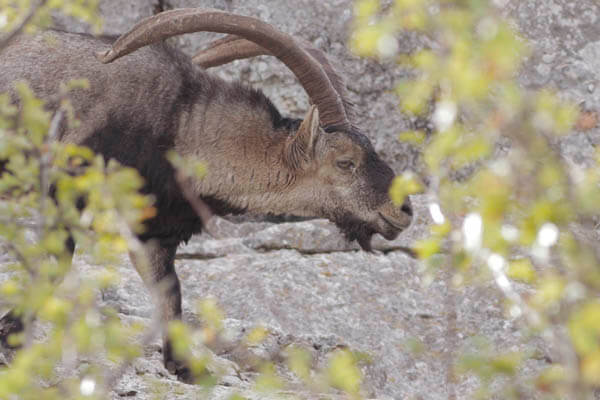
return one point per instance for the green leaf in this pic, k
(521, 270)
(402, 186)
(56, 310)
(343, 372)
(427, 247)
(33, 116)
(365, 8)
(414, 137)
(212, 316)
(590, 368)
(549, 291)
(414, 95)
(299, 362)
(364, 40)
(584, 329)
(506, 364)
(268, 380)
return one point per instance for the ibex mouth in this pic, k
(391, 223)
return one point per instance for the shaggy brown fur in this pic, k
(155, 100)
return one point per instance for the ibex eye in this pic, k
(345, 164)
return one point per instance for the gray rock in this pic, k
(326, 24)
(301, 280)
(564, 37)
(118, 16)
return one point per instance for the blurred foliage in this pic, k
(34, 228)
(44, 290)
(13, 12)
(505, 204)
(73, 346)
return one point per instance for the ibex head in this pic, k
(335, 172)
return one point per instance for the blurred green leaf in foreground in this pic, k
(506, 205)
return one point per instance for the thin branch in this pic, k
(45, 165)
(21, 259)
(55, 125)
(135, 245)
(149, 336)
(451, 334)
(202, 210)
(5, 41)
(28, 316)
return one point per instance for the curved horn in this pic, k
(232, 47)
(175, 22)
(228, 49)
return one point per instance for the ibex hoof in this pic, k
(182, 371)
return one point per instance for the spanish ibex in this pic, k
(155, 100)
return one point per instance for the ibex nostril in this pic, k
(407, 209)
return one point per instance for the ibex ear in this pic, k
(300, 147)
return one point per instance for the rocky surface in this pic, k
(309, 288)
(324, 23)
(564, 39)
(301, 280)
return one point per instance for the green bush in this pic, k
(34, 228)
(85, 348)
(506, 209)
(506, 206)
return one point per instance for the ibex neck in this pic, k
(242, 151)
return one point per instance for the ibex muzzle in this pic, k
(155, 100)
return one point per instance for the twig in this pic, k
(137, 250)
(134, 244)
(45, 164)
(114, 377)
(5, 41)
(202, 210)
(55, 125)
(451, 334)
(21, 259)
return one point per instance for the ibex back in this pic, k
(155, 100)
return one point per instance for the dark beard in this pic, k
(355, 229)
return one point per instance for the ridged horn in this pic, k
(309, 72)
(232, 47)
(227, 49)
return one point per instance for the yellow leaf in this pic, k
(551, 376)
(180, 338)
(414, 95)
(268, 379)
(299, 361)
(407, 3)
(9, 288)
(343, 372)
(441, 229)
(257, 335)
(211, 314)
(584, 328)
(590, 368)
(549, 291)
(427, 247)
(365, 8)
(236, 396)
(415, 137)
(364, 41)
(402, 186)
(521, 270)
(56, 310)
(507, 363)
